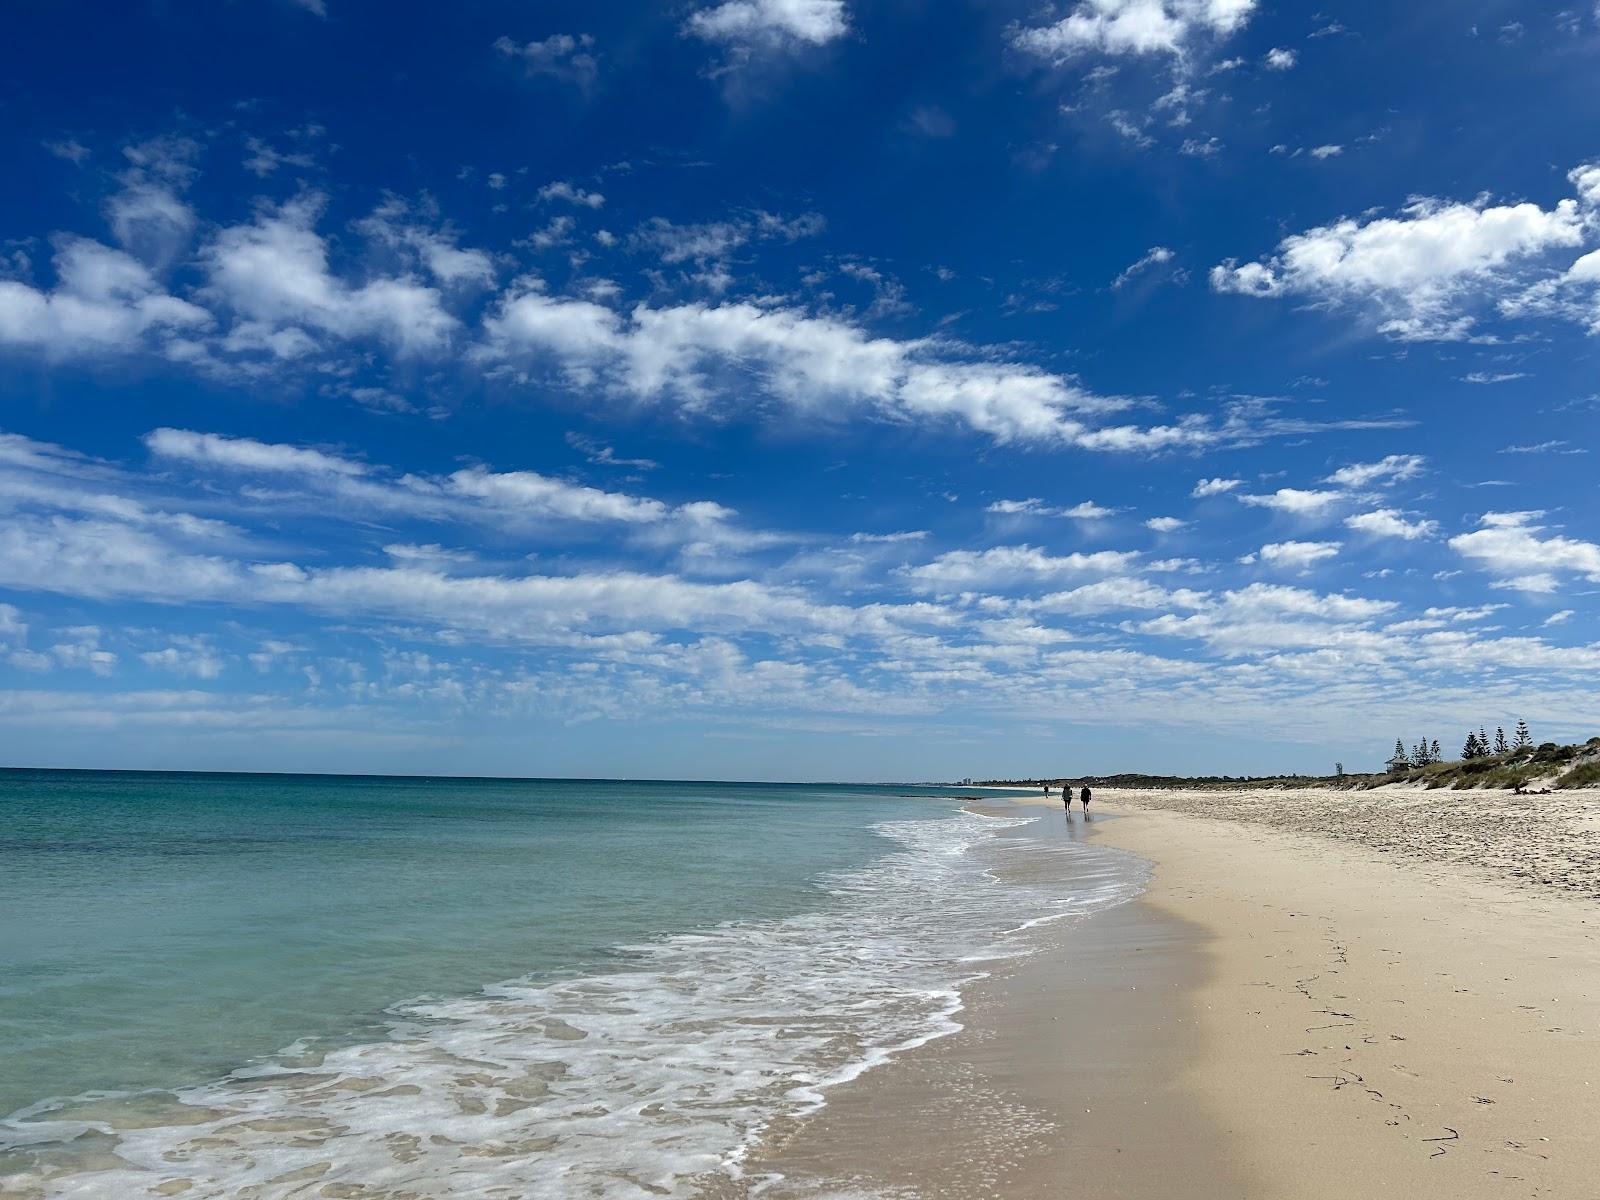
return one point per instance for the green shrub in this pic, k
(1587, 775)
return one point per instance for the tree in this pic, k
(1338, 770)
(1434, 753)
(1473, 748)
(1522, 739)
(1501, 746)
(1483, 738)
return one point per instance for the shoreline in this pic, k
(1282, 1015)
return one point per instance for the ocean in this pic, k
(275, 986)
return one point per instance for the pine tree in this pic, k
(1501, 746)
(1473, 749)
(1483, 738)
(1522, 739)
(1399, 751)
(1434, 753)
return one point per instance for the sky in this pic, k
(796, 389)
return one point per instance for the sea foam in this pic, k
(655, 1079)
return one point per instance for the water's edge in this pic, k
(648, 1080)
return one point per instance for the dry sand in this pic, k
(1321, 994)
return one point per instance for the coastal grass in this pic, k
(1576, 765)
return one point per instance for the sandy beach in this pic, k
(1320, 994)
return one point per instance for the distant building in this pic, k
(1399, 764)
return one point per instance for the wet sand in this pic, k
(1064, 1080)
(1283, 1014)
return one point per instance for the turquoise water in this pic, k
(215, 983)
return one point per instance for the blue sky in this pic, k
(795, 388)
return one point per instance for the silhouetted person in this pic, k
(1085, 797)
(1066, 795)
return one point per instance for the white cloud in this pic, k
(100, 559)
(393, 225)
(775, 24)
(1215, 487)
(274, 275)
(1297, 501)
(711, 241)
(71, 150)
(906, 535)
(1330, 150)
(11, 623)
(264, 158)
(1418, 271)
(105, 301)
(1280, 59)
(822, 365)
(1088, 510)
(1008, 508)
(247, 454)
(1554, 446)
(472, 493)
(1297, 555)
(1509, 544)
(1154, 257)
(562, 190)
(1392, 468)
(1172, 27)
(83, 652)
(529, 492)
(957, 570)
(1165, 524)
(1559, 618)
(1391, 523)
(559, 56)
(188, 656)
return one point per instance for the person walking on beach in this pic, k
(1066, 795)
(1084, 796)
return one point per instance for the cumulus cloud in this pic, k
(1391, 523)
(1421, 271)
(104, 301)
(1296, 555)
(1296, 501)
(394, 225)
(1280, 59)
(1215, 487)
(274, 275)
(1165, 524)
(571, 194)
(770, 24)
(1392, 468)
(1510, 544)
(1134, 27)
(957, 570)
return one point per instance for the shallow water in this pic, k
(217, 969)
